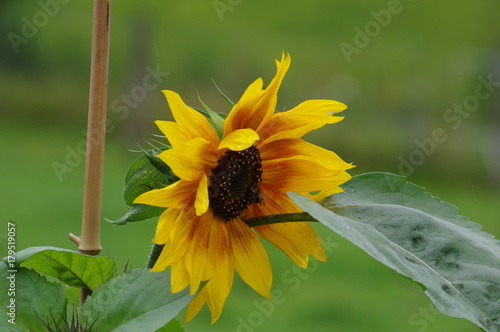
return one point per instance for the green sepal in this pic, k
(226, 98)
(215, 120)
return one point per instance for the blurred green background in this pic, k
(399, 66)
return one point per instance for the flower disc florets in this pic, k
(234, 183)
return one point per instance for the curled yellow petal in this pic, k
(256, 107)
(239, 140)
(307, 116)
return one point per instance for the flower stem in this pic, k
(278, 218)
(155, 253)
(90, 237)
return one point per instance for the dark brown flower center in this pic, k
(234, 183)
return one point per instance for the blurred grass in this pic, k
(397, 89)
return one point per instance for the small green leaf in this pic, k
(70, 267)
(421, 237)
(139, 300)
(36, 300)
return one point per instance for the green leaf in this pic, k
(139, 300)
(138, 212)
(159, 164)
(73, 296)
(421, 237)
(70, 267)
(36, 300)
(142, 178)
(146, 173)
(172, 326)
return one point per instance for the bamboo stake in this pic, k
(90, 243)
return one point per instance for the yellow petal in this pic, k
(165, 225)
(180, 277)
(192, 121)
(177, 195)
(201, 204)
(257, 106)
(159, 266)
(309, 115)
(239, 140)
(296, 148)
(296, 239)
(302, 176)
(179, 241)
(195, 306)
(285, 237)
(191, 159)
(250, 258)
(210, 258)
(339, 178)
(219, 269)
(196, 255)
(174, 132)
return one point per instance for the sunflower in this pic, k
(245, 173)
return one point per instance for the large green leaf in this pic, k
(35, 300)
(139, 300)
(71, 267)
(421, 237)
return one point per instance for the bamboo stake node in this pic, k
(75, 239)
